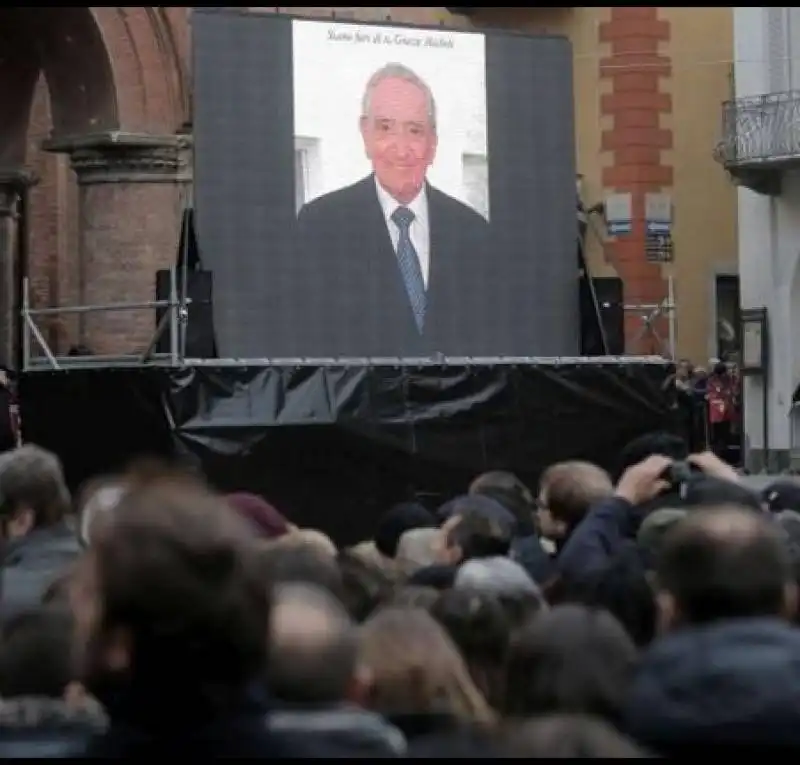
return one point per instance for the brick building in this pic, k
(97, 127)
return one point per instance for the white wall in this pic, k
(332, 63)
(767, 40)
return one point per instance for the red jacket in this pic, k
(721, 397)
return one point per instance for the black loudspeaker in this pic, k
(200, 342)
(608, 311)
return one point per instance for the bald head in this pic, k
(725, 563)
(313, 646)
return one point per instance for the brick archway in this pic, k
(70, 79)
(106, 69)
(66, 46)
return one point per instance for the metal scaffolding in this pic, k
(174, 319)
(173, 322)
(650, 314)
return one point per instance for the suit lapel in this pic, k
(437, 275)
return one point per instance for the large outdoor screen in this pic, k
(368, 191)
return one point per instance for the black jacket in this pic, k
(355, 299)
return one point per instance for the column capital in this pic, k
(117, 157)
(13, 181)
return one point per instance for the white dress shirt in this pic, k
(419, 232)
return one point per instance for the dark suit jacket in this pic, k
(355, 299)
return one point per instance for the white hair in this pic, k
(498, 576)
(416, 549)
(97, 508)
(399, 72)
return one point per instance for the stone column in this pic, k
(12, 186)
(130, 201)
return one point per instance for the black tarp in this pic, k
(333, 446)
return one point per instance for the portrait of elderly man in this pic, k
(401, 266)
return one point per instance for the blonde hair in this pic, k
(416, 669)
(571, 488)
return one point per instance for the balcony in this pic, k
(760, 139)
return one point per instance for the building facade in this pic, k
(760, 148)
(97, 127)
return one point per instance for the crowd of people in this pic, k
(648, 613)
(710, 406)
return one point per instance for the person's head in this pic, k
(365, 585)
(417, 549)
(479, 504)
(292, 562)
(398, 126)
(33, 493)
(507, 489)
(683, 370)
(313, 647)
(175, 583)
(655, 527)
(413, 667)
(507, 582)
(571, 659)
(566, 492)
(657, 442)
(710, 491)
(478, 625)
(396, 521)
(307, 539)
(97, 504)
(473, 534)
(724, 563)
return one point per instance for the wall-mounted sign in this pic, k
(619, 214)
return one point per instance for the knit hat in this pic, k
(263, 517)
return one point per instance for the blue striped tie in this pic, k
(408, 261)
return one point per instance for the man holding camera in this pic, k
(653, 483)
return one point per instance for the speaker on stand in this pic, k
(600, 302)
(199, 341)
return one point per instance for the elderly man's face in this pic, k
(398, 137)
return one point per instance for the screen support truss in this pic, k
(172, 323)
(650, 316)
(173, 320)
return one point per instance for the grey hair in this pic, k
(396, 71)
(98, 507)
(33, 477)
(498, 576)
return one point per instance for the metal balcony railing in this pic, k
(760, 132)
